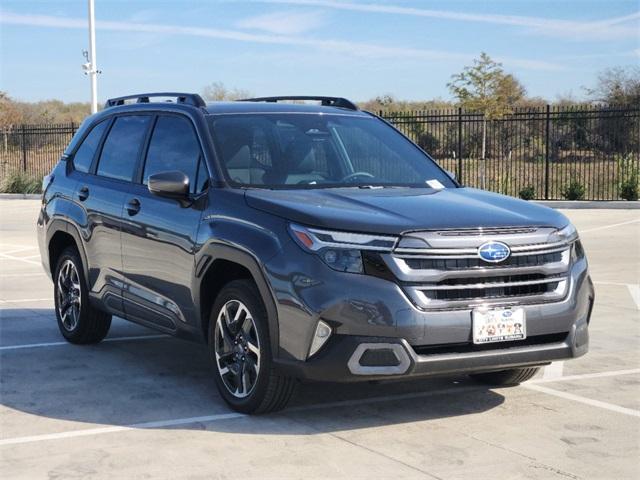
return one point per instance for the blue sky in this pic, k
(354, 48)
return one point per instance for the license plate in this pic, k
(499, 325)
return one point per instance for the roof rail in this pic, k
(185, 98)
(325, 101)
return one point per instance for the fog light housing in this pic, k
(320, 337)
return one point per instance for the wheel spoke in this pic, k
(253, 348)
(237, 348)
(226, 335)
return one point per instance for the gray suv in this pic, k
(303, 241)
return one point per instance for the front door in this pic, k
(158, 236)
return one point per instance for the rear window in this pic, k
(122, 146)
(84, 155)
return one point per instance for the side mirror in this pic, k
(172, 184)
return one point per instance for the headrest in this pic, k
(241, 159)
(298, 155)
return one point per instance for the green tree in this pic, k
(485, 87)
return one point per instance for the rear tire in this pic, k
(78, 321)
(240, 351)
(506, 377)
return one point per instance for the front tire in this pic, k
(505, 378)
(78, 321)
(241, 354)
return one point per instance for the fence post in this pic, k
(460, 145)
(24, 148)
(73, 128)
(546, 152)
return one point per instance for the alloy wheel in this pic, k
(237, 348)
(69, 299)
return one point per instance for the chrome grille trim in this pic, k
(451, 260)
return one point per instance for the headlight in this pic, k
(341, 251)
(568, 234)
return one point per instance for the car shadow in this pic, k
(127, 382)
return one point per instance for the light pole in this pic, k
(91, 67)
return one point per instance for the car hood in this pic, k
(398, 210)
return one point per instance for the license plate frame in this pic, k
(499, 324)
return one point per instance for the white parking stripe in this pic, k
(224, 416)
(58, 344)
(124, 428)
(18, 259)
(604, 227)
(553, 371)
(35, 274)
(587, 401)
(26, 300)
(18, 250)
(344, 403)
(586, 376)
(634, 291)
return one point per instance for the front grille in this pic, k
(470, 347)
(535, 260)
(492, 292)
(448, 273)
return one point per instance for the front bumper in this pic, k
(368, 310)
(339, 360)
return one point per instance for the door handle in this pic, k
(133, 207)
(83, 193)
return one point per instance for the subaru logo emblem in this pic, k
(494, 252)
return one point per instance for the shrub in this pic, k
(18, 182)
(574, 191)
(629, 188)
(527, 193)
(628, 177)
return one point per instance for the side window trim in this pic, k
(145, 149)
(96, 159)
(137, 178)
(90, 129)
(98, 153)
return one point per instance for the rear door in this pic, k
(158, 239)
(101, 192)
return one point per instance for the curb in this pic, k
(20, 196)
(588, 204)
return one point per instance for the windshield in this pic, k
(280, 150)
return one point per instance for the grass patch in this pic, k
(18, 182)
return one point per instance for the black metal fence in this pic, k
(541, 153)
(544, 153)
(33, 149)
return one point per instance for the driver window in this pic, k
(173, 146)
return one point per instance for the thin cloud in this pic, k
(607, 29)
(359, 49)
(284, 23)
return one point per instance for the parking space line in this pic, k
(634, 290)
(604, 227)
(18, 259)
(26, 300)
(58, 344)
(587, 401)
(343, 403)
(18, 250)
(124, 428)
(35, 274)
(586, 376)
(553, 371)
(224, 416)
